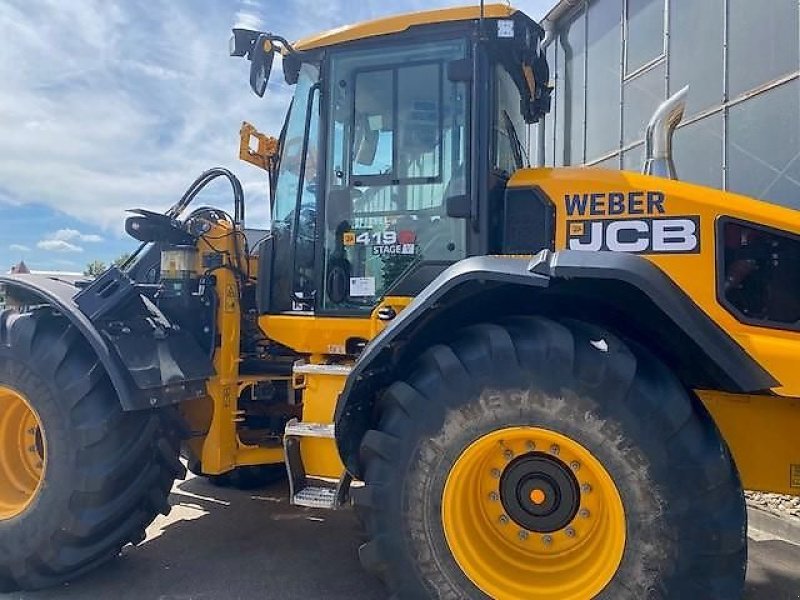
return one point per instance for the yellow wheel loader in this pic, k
(529, 383)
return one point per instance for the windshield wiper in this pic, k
(516, 146)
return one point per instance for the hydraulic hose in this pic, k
(189, 195)
(201, 182)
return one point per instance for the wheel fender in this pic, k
(726, 365)
(59, 293)
(354, 407)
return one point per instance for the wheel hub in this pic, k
(539, 493)
(530, 513)
(22, 453)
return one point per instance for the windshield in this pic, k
(510, 128)
(397, 151)
(297, 174)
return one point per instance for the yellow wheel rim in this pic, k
(502, 500)
(22, 453)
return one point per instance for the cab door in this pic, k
(292, 248)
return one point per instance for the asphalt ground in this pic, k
(222, 544)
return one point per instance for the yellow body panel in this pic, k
(324, 338)
(310, 334)
(220, 449)
(320, 392)
(762, 432)
(400, 23)
(776, 350)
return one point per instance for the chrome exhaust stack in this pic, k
(658, 160)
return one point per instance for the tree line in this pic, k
(98, 267)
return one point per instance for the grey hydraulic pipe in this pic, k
(658, 144)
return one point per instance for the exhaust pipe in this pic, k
(662, 125)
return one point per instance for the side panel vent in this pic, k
(528, 222)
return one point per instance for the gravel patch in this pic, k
(775, 503)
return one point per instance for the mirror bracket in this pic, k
(266, 152)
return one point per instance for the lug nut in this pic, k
(503, 519)
(586, 488)
(496, 473)
(32, 431)
(570, 532)
(547, 539)
(31, 448)
(530, 445)
(584, 513)
(554, 450)
(494, 497)
(575, 465)
(508, 454)
(523, 535)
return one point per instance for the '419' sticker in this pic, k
(383, 242)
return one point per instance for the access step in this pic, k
(308, 491)
(314, 430)
(313, 496)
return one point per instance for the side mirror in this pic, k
(368, 147)
(262, 56)
(458, 207)
(259, 50)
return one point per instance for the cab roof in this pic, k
(400, 23)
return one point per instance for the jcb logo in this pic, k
(673, 235)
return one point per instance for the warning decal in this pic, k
(230, 298)
(794, 476)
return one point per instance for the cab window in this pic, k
(397, 150)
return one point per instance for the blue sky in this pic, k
(109, 105)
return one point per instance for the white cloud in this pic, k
(246, 19)
(18, 248)
(68, 235)
(130, 112)
(58, 246)
(139, 99)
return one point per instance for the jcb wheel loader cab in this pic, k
(390, 139)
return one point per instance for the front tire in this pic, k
(549, 407)
(105, 474)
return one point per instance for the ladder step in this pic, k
(313, 496)
(313, 430)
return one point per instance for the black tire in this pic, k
(655, 439)
(108, 473)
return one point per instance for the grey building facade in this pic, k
(614, 61)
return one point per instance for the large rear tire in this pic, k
(102, 474)
(537, 459)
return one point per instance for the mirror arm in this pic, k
(286, 48)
